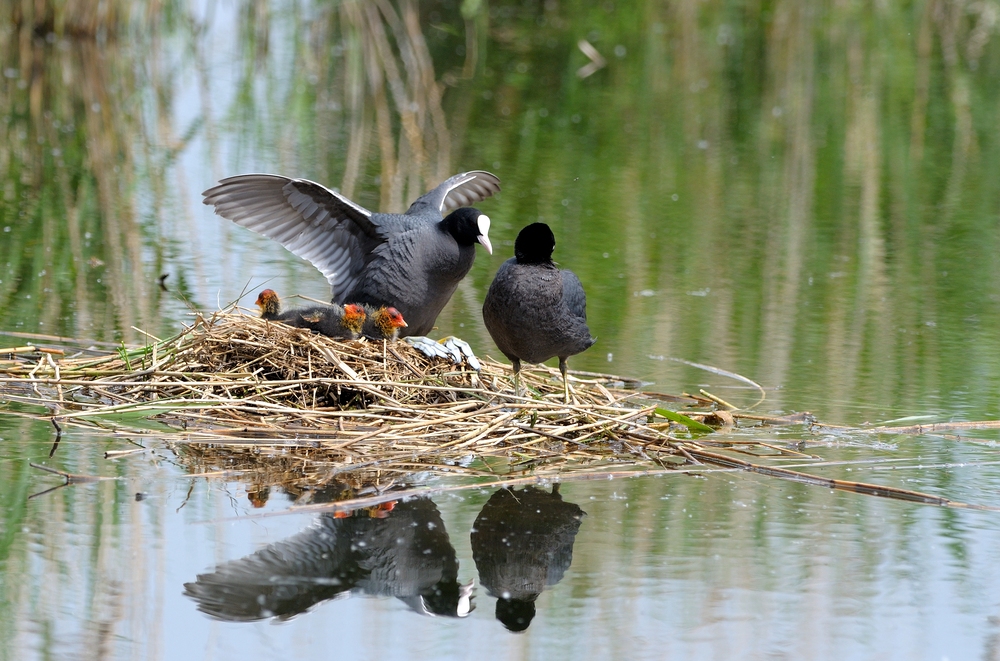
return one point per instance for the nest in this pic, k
(237, 381)
(229, 371)
(328, 420)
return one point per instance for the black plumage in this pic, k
(522, 542)
(404, 552)
(534, 310)
(412, 261)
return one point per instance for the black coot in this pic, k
(330, 320)
(413, 261)
(534, 310)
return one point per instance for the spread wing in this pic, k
(280, 580)
(312, 221)
(573, 294)
(461, 190)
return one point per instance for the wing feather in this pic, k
(461, 190)
(573, 294)
(310, 220)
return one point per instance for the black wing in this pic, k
(573, 294)
(460, 190)
(312, 221)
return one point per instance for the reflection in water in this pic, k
(74, 262)
(522, 543)
(399, 550)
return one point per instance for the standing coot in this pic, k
(534, 310)
(413, 261)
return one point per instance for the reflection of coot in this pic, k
(522, 543)
(403, 553)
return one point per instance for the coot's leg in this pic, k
(451, 348)
(562, 368)
(517, 376)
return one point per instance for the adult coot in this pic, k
(413, 261)
(331, 320)
(534, 310)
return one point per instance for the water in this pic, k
(801, 197)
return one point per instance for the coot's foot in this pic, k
(450, 348)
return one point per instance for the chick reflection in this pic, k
(397, 549)
(522, 543)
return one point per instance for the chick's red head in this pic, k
(395, 318)
(265, 296)
(268, 302)
(354, 317)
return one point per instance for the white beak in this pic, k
(484, 233)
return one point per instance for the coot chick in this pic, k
(382, 323)
(534, 310)
(413, 261)
(330, 320)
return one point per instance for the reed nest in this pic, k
(234, 377)
(234, 384)
(323, 419)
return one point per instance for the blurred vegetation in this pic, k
(76, 259)
(76, 18)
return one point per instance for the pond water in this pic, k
(800, 195)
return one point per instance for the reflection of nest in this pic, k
(307, 475)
